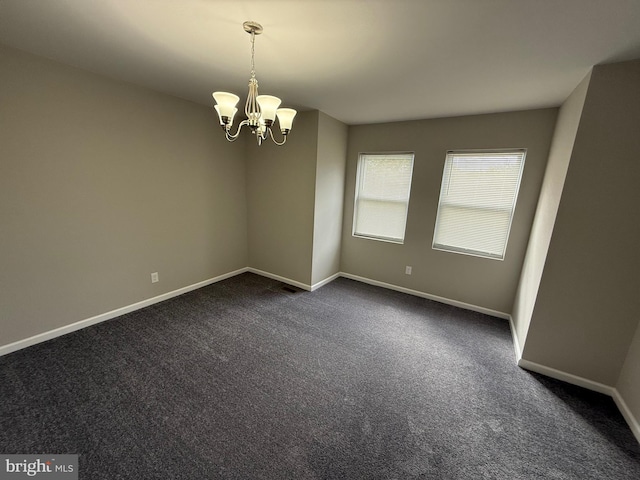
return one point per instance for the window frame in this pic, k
(474, 252)
(357, 197)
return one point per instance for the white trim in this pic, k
(566, 377)
(58, 332)
(273, 276)
(51, 334)
(516, 343)
(627, 414)
(613, 392)
(321, 283)
(455, 303)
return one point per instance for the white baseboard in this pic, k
(377, 283)
(43, 337)
(330, 279)
(455, 303)
(566, 377)
(516, 343)
(613, 392)
(627, 414)
(304, 286)
(286, 280)
(57, 332)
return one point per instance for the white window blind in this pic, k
(477, 200)
(382, 195)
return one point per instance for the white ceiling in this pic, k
(360, 61)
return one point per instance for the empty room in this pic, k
(319, 239)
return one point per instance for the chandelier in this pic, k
(261, 110)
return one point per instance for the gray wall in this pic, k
(295, 198)
(486, 283)
(102, 183)
(586, 312)
(550, 193)
(329, 197)
(281, 199)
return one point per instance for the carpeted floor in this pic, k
(246, 380)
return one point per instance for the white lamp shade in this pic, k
(285, 117)
(226, 103)
(268, 106)
(228, 114)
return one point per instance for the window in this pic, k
(382, 195)
(477, 200)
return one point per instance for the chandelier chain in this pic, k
(253, 52)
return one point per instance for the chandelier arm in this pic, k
(232, 137)
(284, 138)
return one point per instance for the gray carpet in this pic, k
(246, 380)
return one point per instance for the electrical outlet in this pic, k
(154, 277)
(407, 270)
